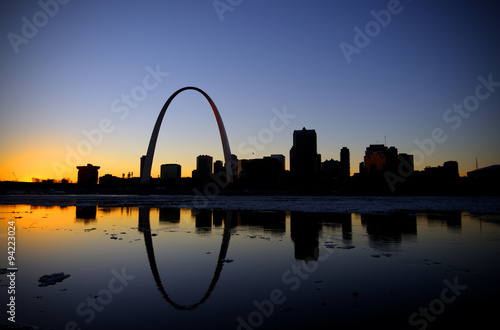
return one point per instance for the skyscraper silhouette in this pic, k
(204, 164)
(305, 162)
(170, 172)
(88, 175)
(375, 158)
(345, 163)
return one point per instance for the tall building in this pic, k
(281, 159)
(170, 172)
(330, 168)
(242, 167)
(218, 166)
(143, 159)
(375, 158)
(305, 162)
(234, 166)
(263, 171)
(204, 165)
(88, 175)
(405, 164)
(379, 158)
(391, 160)
(451, 168)
(345, 163)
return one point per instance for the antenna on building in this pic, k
(476, 161)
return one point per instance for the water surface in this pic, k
(175, 267)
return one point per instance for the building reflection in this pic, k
(145, 227)
(452, 220)
(170, 215)
(339, 220)
(86, 213)
(386, 231)
(218, 217)
(273, 222)
(203, 220)
(304, 231)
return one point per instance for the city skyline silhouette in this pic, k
(359, 73)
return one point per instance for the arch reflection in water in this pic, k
(144, 226)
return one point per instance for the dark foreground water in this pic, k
(159, 263)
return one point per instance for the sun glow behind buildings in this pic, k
(87, 69)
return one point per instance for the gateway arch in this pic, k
(148, 161)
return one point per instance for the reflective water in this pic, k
(178, 268)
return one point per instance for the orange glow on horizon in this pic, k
(186, 171)
(38, 162)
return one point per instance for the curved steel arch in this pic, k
(148, 163)
(144, 226)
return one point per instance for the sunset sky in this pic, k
(83, 81)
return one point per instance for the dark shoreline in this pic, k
(389, 205)
(460, 187)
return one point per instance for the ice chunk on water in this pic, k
(52, 279)
(347, 247)
(330, 245)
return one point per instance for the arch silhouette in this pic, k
(144, 226)
(148, 162)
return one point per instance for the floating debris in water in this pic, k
(5, 270)
(347, 247)
(52, 279)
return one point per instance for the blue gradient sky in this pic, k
(70, 75)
